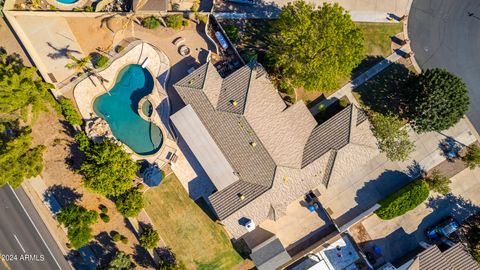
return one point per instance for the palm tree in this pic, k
(80, 65)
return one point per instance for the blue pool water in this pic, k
(120, 110)
(67, 1)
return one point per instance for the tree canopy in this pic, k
(472, 158)
(21, 90)
(392, 136)
(70, 112)
(77, 220)
(107, 168)
(149, 238)
(440, 100)
(130, 203)
(438, 182)
(313, 47)
(121, 262)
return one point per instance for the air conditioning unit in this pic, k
(250, 225)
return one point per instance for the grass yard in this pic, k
(378, 37)
(196, 240)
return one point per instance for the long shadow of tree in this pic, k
(63, 194)
(388, 91)
(459, 207)
(104, 248)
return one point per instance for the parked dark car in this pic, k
(444, 228)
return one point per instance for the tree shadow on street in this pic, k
(388, 91)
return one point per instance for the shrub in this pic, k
(140, 186)
(232, 32)
(70, 112)
(472, 158)
(403, 200)
(130, 203)
(105, 218)
(203, 19)
(121, 261)
(195, 6)
(101, 61)
(119, 49)
(149, 238)
(186, 23)
(124, 239)
(174, 21)
(438, 182)
(286, 88)
(83, 141)
(151, 22)
(343, 102)
(116, 236)
(89, 9)
(103, 208)
(53, 8)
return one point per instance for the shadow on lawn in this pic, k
(388, 91)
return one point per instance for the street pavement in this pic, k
(25, 243)
(446, 34)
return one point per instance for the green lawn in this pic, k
(377, 37)
(196, 240)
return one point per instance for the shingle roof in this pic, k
(239, 130)
(332, 134)
(454, 258)
(269, 255)
(460, 259)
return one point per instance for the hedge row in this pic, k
(403, 200)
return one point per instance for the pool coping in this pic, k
(129, 58)
(62, 6)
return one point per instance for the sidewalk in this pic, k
(346, 90)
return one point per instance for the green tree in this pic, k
(314, 48)
(130, 203)
(18, 159)
(75, 215)
(149, 238)
(108, 169)
(79, 236)
(440, 100)
(472, 158)
(77, 220)
(392, 136)
(151, 22)
(438, 182)
(83, 141)
(174, 21)
(232, 32)
(168, 265)
(121, 261)
(21, 91)
(70, 112)
(79, 64)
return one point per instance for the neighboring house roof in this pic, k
(269, 255)
(256, 131)
(454, 258)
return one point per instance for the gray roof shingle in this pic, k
(331, 134)
(454, 258)
(238, 141)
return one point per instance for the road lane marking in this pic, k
(20, 244)
(5, 262)
(36, 229)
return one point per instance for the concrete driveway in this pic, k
(401, 235)
(443, 35)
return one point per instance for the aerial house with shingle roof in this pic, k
(262, 155)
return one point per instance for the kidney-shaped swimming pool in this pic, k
(119, 108)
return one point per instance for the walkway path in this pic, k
(346, 90)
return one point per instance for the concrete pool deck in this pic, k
(158, 64)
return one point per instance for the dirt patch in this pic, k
(90, 33)
(51, 131)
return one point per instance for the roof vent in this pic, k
(234, 102)
(253, 143)
(241, 196)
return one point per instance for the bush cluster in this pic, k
(151, 22)
(149, 238)
(174, 21)
(70, 112)
(101, 61)
(403, 200)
